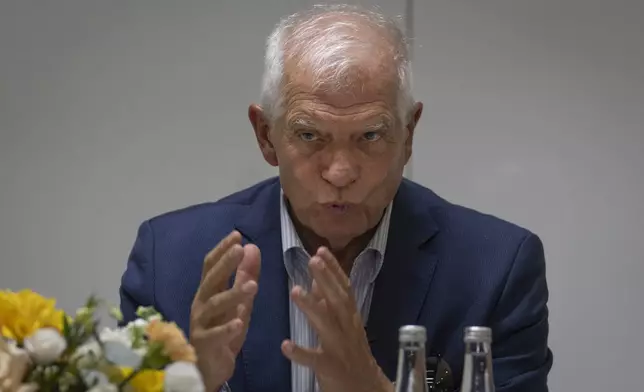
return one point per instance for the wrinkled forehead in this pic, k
(306, 105)
(358, 92)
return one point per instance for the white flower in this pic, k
(94, 377)
(136, 329)
(106, 387)
(117, 346)
(122, 355)
(138, 323)
(87, 354)
(141, 323)
(183, 377)
(120, 335)
(45, 346)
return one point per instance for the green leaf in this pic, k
(155, 358)
(146, 312)
(138, 337)
(66, 328)
(116, 313)
(93, 302)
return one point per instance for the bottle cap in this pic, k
(412, 334)
(477, 334)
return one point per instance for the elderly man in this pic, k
(300, 283)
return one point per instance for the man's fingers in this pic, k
(220, 304)
(218, 251)
(304, 356)
(250, 265)
(311, 308)
(332, 263)
(241, 311)
(216, 279)
(318, 296)
(339, 301)
(244, 310)
(315, 291)
(328, 285)
(316, 313)
(220, 335)
(341, 292)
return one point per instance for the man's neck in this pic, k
(345, 254)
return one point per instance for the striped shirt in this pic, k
(363, 275)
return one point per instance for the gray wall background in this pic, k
(111, 112)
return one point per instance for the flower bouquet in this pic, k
(44, 349)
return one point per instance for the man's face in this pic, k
(340, 156)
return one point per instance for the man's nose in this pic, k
(342, 171)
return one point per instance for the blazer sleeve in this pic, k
(521, 356)
(137, 282)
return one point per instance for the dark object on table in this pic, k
(439, 375)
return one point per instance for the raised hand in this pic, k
(220, 316)
(343, 361)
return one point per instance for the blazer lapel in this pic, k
(266, 368)
(403, 282)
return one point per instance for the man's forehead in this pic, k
(347, 96)
(368, 109)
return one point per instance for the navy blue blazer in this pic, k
(446, 267)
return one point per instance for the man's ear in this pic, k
(262, 128)
(411, 127)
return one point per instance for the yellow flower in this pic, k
(174, 341)
(24, 312)
(147, 380)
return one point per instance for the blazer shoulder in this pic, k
(463, 221)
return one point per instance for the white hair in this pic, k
(331, 51)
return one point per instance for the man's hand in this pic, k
(220, 316)
(343, 360)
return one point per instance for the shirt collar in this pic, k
(290, 238)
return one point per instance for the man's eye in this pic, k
(308, 136)
(371, 136)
